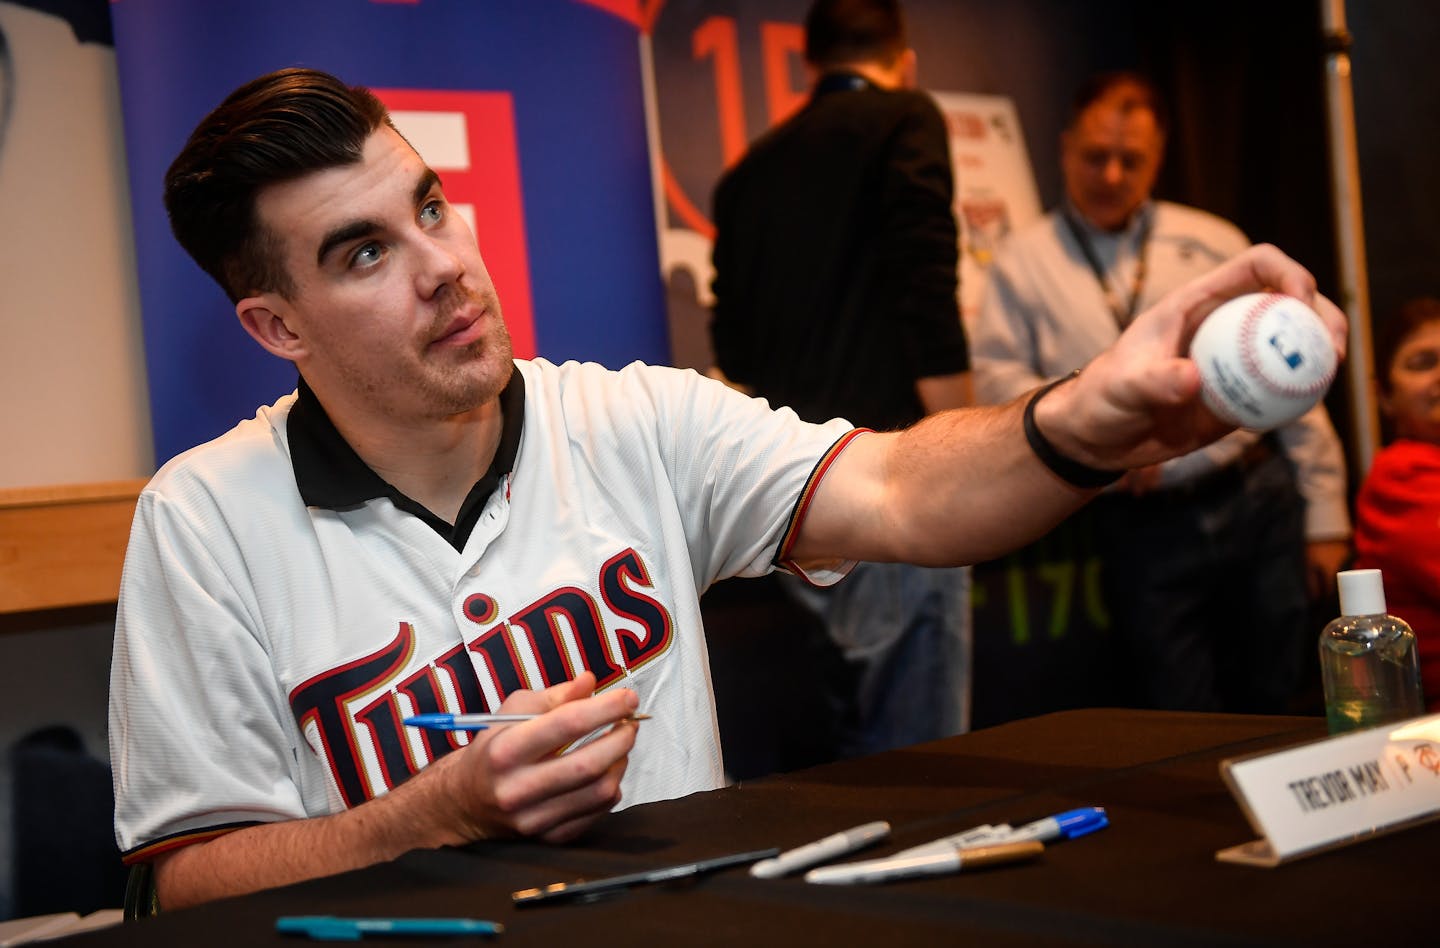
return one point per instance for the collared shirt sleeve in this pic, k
(1314, 448)
(197, 741)
(740, 470)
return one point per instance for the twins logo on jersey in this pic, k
(566, 624)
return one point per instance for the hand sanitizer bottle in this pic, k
(1368, 663)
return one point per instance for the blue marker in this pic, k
(333, 928)
(1071, 824)
(1068, 825)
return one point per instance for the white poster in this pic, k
(995, 192)
(71, 368)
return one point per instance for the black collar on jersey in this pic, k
(841, 82)
(331, 475)
(1122, 310)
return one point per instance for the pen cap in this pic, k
(318, 927)
(1075, 823)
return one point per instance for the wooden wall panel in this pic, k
(63, 546)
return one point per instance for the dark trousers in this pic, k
(1206, 589)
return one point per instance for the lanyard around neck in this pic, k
(1122, 310)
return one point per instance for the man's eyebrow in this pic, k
(427, 181)
(356, 229)
(343, 234)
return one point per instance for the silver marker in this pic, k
(837, 844)
(980, 835)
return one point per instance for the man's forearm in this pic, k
(986, 492)
(958, 487)
(967, 485)
(275, 854)
(507, 781)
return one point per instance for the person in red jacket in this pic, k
(1397, 527)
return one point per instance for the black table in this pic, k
(1150, 879)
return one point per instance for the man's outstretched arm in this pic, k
(965, 486)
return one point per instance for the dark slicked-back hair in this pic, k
(1132, 90)
(1398, 329)
(838, 32)
(272, 129)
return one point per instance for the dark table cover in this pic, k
(1150, 879)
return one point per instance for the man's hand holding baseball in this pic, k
(1139, 402)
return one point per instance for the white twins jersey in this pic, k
(266, 651)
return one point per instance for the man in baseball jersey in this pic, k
(427, 524)
(1188, 545)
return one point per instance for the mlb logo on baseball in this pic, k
(1264, 359)
(1292, 356)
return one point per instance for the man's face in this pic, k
(1413, 401)
(1110, 159)
(393, 314)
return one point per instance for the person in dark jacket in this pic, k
(835, 286)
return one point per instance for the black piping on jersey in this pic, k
(147, 851)
(331, 475)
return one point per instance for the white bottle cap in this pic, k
(1362, 592)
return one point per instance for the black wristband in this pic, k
(1071, 472)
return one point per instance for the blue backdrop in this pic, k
(572, 73)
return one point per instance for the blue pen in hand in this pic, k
(333, 928)
(478, 722)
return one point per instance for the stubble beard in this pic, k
(475, 374)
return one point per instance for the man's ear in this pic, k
(264, 319)
(909, 69)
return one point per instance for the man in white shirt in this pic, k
(1191, 546)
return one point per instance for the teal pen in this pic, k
(334, 928)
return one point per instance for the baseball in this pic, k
(1264, 360)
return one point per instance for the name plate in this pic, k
(1336, 791)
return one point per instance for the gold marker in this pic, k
(935, 864)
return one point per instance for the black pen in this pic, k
(565, 891)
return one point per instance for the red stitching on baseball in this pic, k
(1248, 356)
